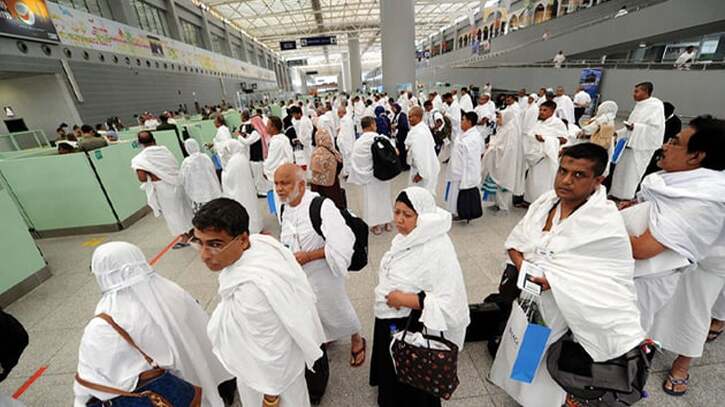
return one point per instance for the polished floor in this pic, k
(56, 312)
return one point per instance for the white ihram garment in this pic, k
(504, 158)
(565, 108)
(422, 157)
(303, 129)
(425, 260)
(238, 184)
(466, 103)
(199, 175)
(326, 276)
(464, 169)
(345, 141)
(279, 153)
(648, 118)
(690, 219)
(220, 138)
(265, 329)
(165, 197)
(377, 202)
(542, 158)
(163, 319)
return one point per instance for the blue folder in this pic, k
(619, 149)
(530, 353)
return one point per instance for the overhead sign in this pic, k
(318, 41)
(297, 62)
(287, 45)
(312, 72)
(27, 19)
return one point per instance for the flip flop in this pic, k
(675, 382)
(712, 335)
(353, 361)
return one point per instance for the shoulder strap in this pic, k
(105, 389)
(122, 332)
(316, 214)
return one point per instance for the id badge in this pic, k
(526, 275)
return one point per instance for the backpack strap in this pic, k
(122, 332)
(316, 214)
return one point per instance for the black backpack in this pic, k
(14, 340)
(358, 226)
(386, 164)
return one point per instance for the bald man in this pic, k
(324, 258)
(424, 165)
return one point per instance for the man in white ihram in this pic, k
(279, 152)
(685, 214)
(486, 112)
(345, 137)
(265, 329)
(157, 168)
(644, 131)
(325, 260)
(303, 128)
(466, 102)
(577, 239)
(424, 164)
(541, 152)
(564, 105)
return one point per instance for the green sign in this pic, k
(99, 155)
(134, 144)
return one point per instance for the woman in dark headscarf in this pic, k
(401, 127)
(382, 122)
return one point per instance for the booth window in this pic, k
(98, 7)
(151, 18)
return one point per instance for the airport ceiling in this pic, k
(272, 21)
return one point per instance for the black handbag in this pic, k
(13, 341)
(434, 371)
(156, 387)
(617, 382)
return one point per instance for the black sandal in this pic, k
(675, 382)
(712, 335)
(353, 361)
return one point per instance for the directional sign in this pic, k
(287, 45)
(318, 41)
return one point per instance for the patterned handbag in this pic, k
(432, 370)
(156, 387)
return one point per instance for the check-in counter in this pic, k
(23, 265)
(81, 192)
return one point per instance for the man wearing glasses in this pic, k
(265, 329)
(687, 216)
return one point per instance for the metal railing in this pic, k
(464, 63)
(609, 64)
(23, 140)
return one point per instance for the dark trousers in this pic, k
(578, 113)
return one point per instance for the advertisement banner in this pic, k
(590, 80)
(26, 19)
(85, 30)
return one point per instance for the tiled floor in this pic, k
(56, 312)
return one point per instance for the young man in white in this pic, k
(424, 165)
(644, 131)
(279, 152)
(265, 329)
(541, 152)
(464, 169)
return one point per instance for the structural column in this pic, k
(346, 73)
(398, 35)
(228, 41)
(355, 67)
(172, 17)
(205, 31)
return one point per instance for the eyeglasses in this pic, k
(214, 248)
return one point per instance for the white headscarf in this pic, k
(607, 111)
(425, 260)
(162, 318)
(198, 174)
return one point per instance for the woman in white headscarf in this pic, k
(420, 272)
(162, 319)
(238, 183)
(199, 176)
(600, 129)
(503, 162)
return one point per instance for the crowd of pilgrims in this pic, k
(628, 251)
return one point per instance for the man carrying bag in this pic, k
(572, 248)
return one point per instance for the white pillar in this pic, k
(398, 36)
(355, 67)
